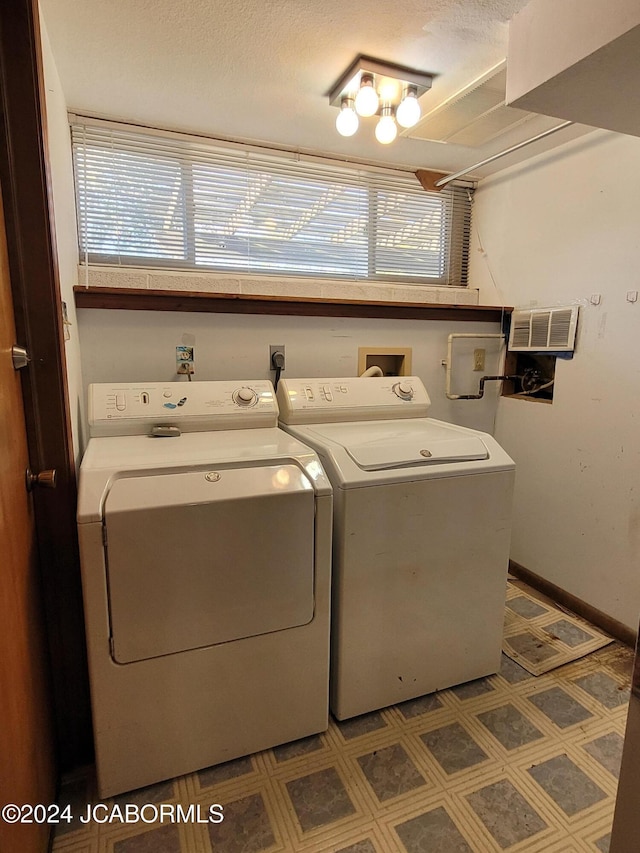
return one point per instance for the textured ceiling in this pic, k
(261, 71)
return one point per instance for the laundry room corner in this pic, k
(561, 230)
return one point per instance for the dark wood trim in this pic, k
(576, 605)
(36, 295)
(225, 303)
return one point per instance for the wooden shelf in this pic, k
(123, 299)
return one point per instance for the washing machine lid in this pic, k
(385, 445)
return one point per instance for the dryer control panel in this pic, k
(353, 398)
(169, 408)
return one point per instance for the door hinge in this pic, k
(19, 357)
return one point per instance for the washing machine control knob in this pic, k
(245, 396)
(403, 390)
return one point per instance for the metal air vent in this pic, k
(544, 330)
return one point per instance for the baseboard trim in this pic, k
(576, 605)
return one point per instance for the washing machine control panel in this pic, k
(132, 408)
(351, 399)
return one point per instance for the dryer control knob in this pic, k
(403, 390)
(245, 396)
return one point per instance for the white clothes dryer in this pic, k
(422, 513)
(205, 555)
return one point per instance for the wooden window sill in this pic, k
(233, 303)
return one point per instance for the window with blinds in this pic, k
(156, 200)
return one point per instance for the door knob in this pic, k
(46, 479)
(19, 357)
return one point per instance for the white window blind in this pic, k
(154, 200)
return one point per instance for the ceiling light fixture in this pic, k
(408, 112)
(386, 129)
(347, 121)
(372, 87)
(367, 100)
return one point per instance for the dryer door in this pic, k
(200, 558)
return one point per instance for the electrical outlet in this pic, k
(478, 359)
(274, 348)
(184, 360)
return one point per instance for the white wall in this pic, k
(61, 176)
(132, 346)
(554, 231)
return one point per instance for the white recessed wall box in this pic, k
(544, 329)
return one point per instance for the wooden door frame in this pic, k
(38, 317)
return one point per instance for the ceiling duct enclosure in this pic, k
(544, 330)
(475, 115)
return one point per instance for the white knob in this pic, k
(245, 396)
(404, 390)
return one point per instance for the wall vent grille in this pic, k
(544, 330)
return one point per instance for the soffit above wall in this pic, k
(477, 115)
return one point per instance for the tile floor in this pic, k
(541, 637)
(511, 762)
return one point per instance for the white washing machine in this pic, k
(206, 578)
(422, 524)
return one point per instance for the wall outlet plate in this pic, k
(479, 358)
(275, 348)
(184, 361)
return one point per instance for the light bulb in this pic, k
(408, 111)
(386, 129)
(347, 120)
(367, 97)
